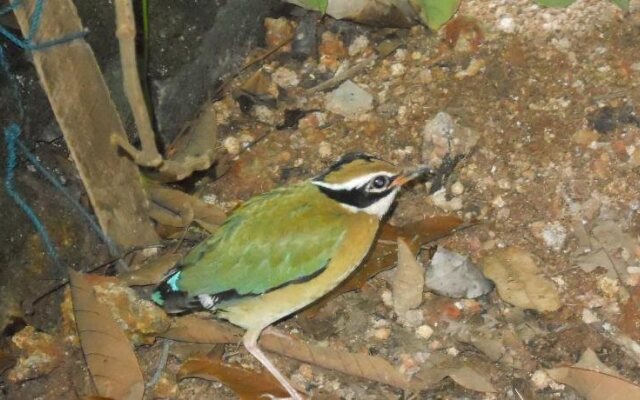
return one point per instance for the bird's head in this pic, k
(363, 183)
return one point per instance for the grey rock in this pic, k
(349, 100)
(454, 275)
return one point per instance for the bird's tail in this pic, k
(169, 295)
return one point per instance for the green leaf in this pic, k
(435, 13)
(623, 4)
(316, 5)
(555, 3)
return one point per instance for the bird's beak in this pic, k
(411, 175)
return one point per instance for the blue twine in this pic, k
(12, 133)
(11, 136)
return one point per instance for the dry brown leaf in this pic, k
(192, 329)
(361, 365)
(519, 281)
(594, 385)
(151, 271)
(384, 254)
(247, 384)
(112, 363)
(175, 208)
(463, 376)
(408, 281)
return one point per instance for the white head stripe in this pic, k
(353, 183)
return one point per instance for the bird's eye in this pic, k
(380, 182)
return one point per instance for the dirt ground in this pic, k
(553, 98)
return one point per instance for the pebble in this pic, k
(232, 145)
(507, 24)
(286, 78)
(398, 69)
(608, 286)
(439, 199)
(264, 114)
(359, 44)
(324, 149)
(457, 188)
(588, 316)
(554, 235)
(382, 333)
(498, 202)
(452, 351)
(349, 100)
(454, 275)
(541, 381)
(277, 31)
(40, 354)
(424, 331)
(387, 298)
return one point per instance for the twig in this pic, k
(126, 32)
(162, 363)
(28, 306)
(343, 76)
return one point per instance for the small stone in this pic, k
(554, 235)
(439, 199)
(588, 316)
(452, 351)
(331, 50)
(585, 137)
(412, 318)
(278, 30)
(358, 45)
(608, 286)
(264, 114)
(457, 188)
(387, 298)
(306, 371)
(349, 100)
(40, 354)
(232, 145)
(286, 78)
(398, 69)
(424, 331)
(382, 333)
(541, 381)
(324, 149)
(498, 202)
(475, 66)
(507, 24)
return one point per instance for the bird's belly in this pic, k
(263, 310)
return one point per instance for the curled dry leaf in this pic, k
(175, 208)
(519, 281)
(109, 354)
(463, 376)
(193, 329)
(247, 384)
(463, 373)
(408, 281)
(151, 271)
(594, 380)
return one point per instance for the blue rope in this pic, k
(12, 133)
(11, 136)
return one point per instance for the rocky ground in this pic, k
(543, 103)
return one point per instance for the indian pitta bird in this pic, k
(284, 249)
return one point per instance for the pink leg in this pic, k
(250, 341)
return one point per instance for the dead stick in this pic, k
(126, 32)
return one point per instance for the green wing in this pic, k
(274, 239)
